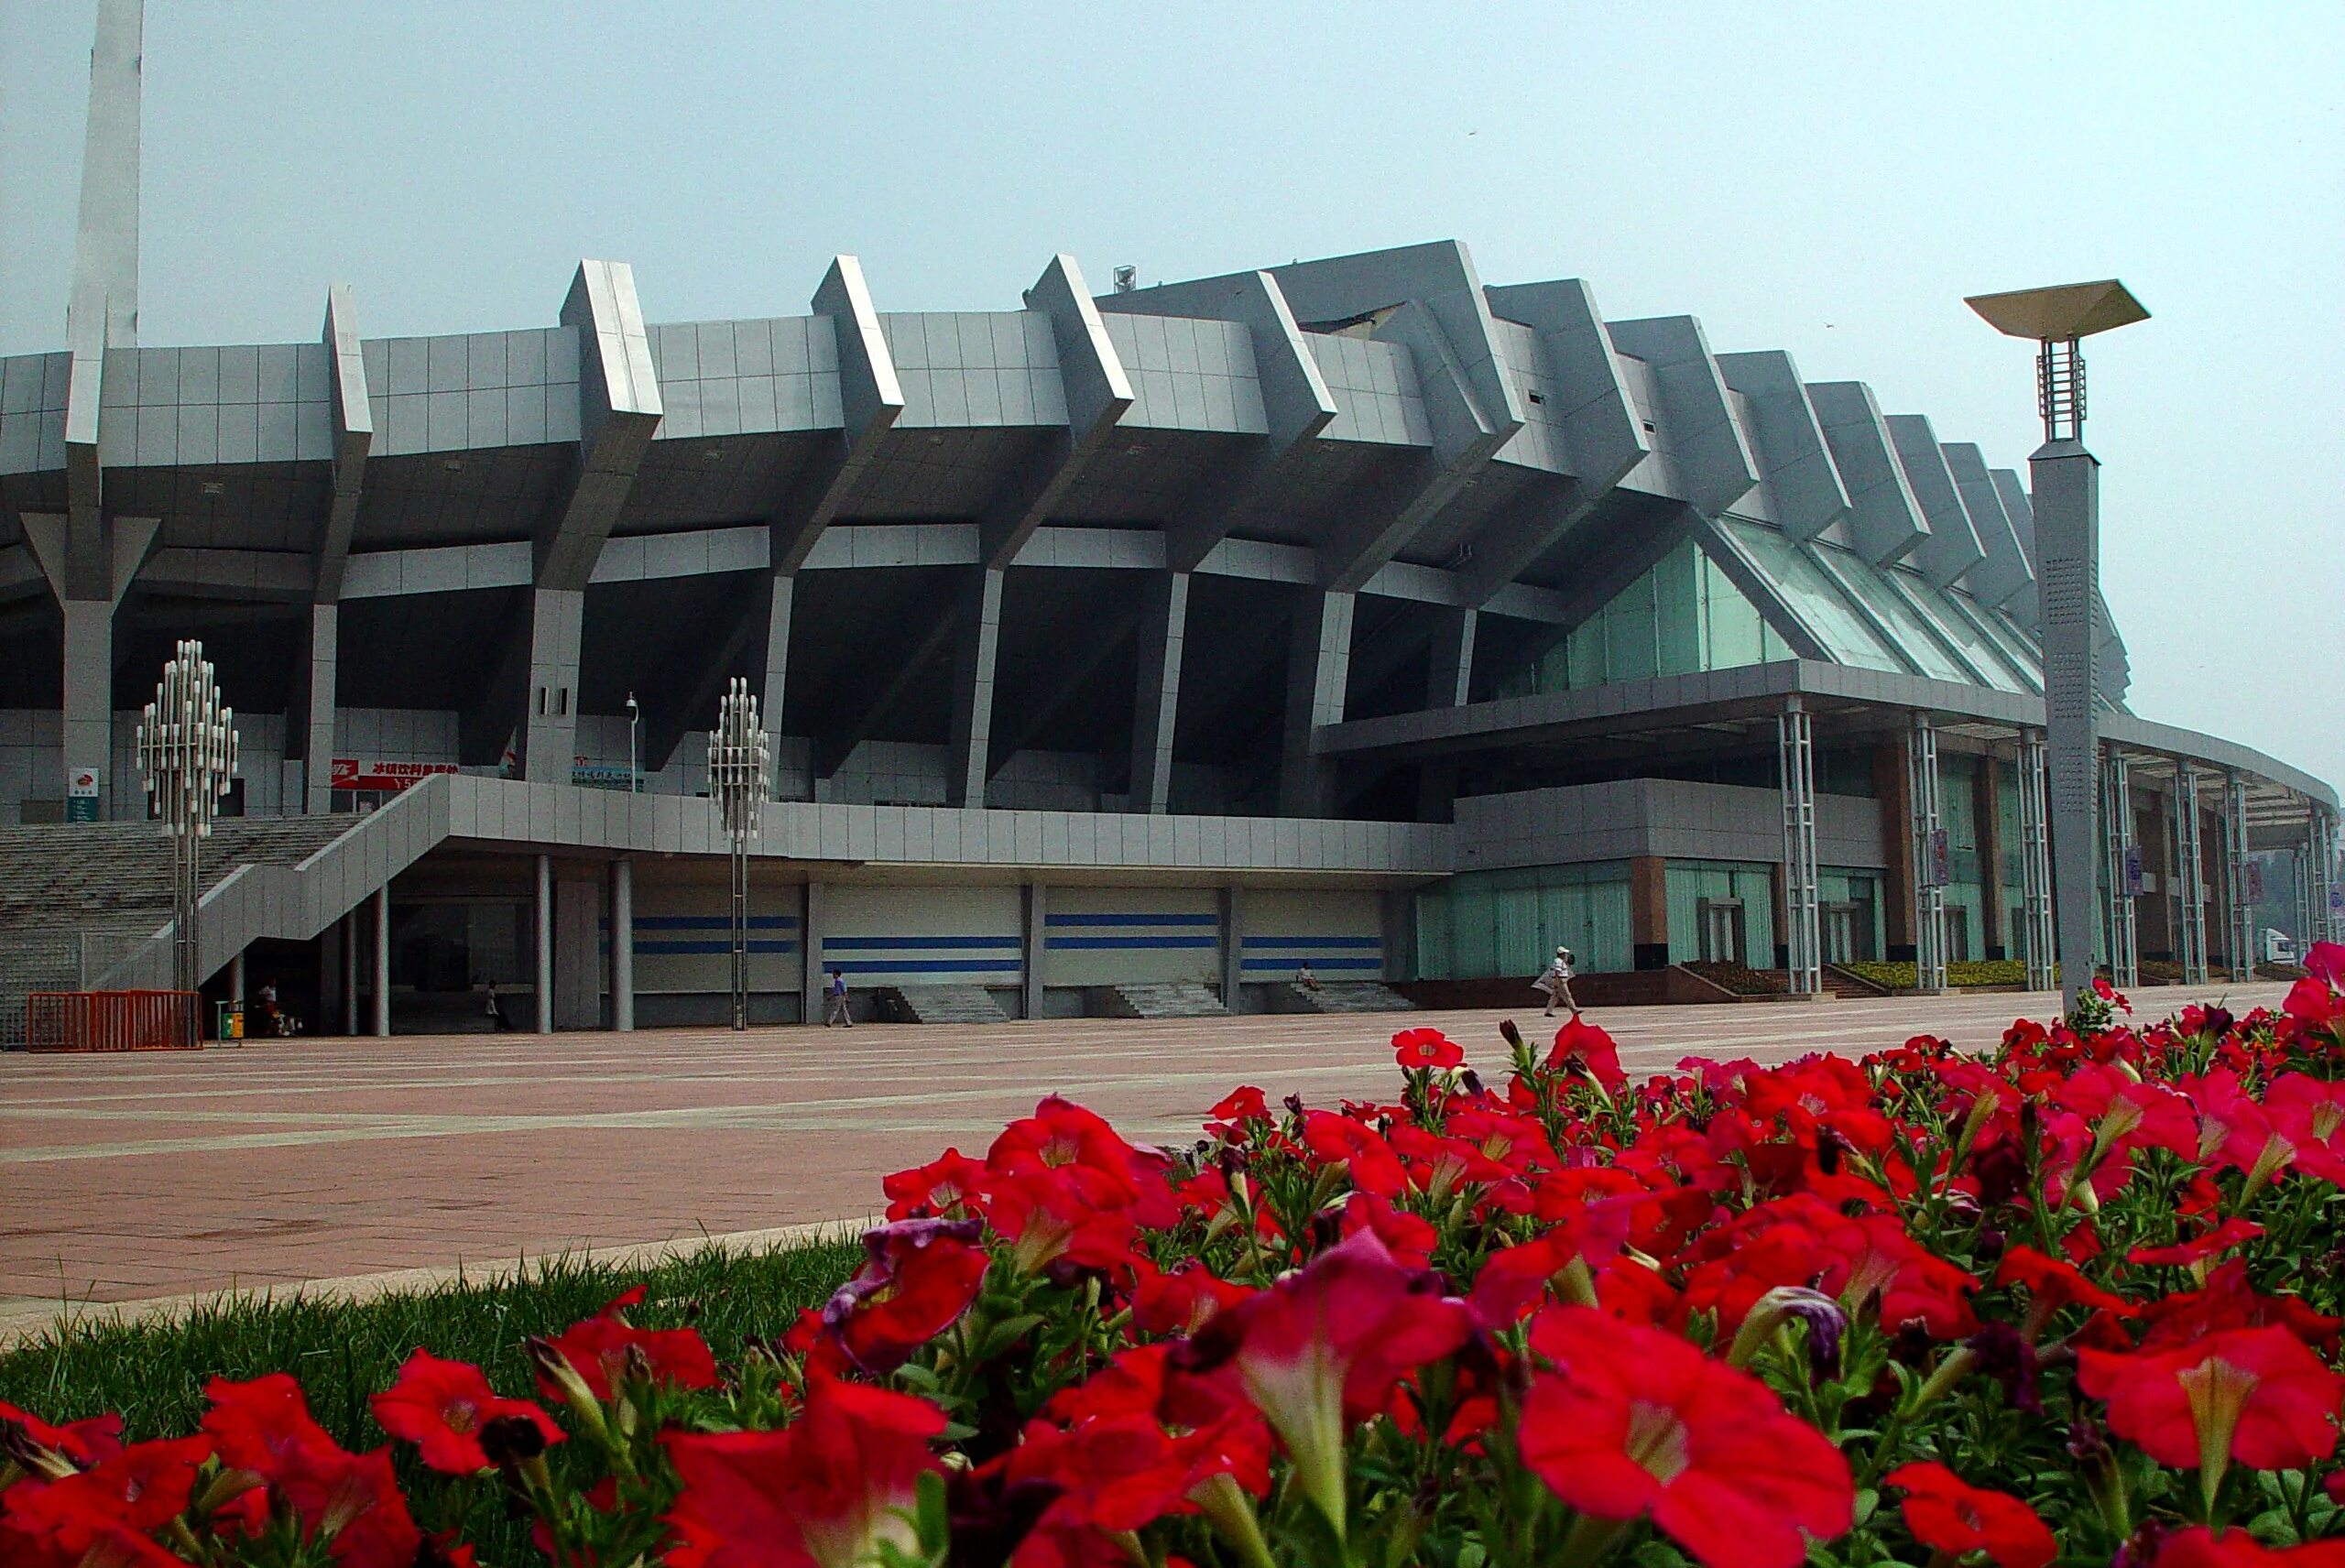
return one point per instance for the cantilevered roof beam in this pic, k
(353, 437)
(871, 400)
(1296, 402)
(1952, 547)
(1804, 489)
(1099, 395)
(1884, 521)
(1712, 467)
(2005, 573)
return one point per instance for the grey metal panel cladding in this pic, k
(1601, 436)
(1802, 484)
(1096, 388)
(1295, 401)
(1188, 373)
(1884, 521)
(1715, 466)
(1440, 278)
(2005, 573)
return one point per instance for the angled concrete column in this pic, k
(1099, 395)
(542, 927)
(1802, 488)
(1156, 701)
(1449, 675)
(353, 437)
(89, 577)
(1030, 966)
(871, 400)
(976, 649)
(1952, 547)
(383, 959)
(311, 727)
(623, 945)
(1318, 667)
(781, 594)
(549, 724)
(1885, 522)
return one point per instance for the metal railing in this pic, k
(113, 1020)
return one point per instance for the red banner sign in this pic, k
(358, 773)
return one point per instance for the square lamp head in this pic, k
(2062, 312)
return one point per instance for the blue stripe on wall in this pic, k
(1060, 944)
(1289, 966)
(916, 943)
(713, 922)
(1313, 944)
(1049, 920)
(925, 966)
(673, 949)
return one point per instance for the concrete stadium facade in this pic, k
(1350, 611)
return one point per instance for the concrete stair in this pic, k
(939, 1005)
(1340, 997)
(1167, 999)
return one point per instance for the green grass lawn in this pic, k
(153, 1372)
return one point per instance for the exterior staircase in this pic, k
(1850, 988)
(939, 1005)
(1340, 997)
(1167, 999)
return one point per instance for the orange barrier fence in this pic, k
(112, 1020)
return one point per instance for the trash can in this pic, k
(230, 1024)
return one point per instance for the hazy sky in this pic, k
(1830, 178)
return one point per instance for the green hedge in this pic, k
(1904, 976)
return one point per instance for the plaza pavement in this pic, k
(361, 1164)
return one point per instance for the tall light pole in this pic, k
(187, 754)
(737, 782)
(634, 769)
(2064, 490)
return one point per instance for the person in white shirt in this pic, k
(1555, 984)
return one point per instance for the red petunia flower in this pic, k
(1243, 1104)
(1948, 1515)
(1587, 1044)
(85, 1442)
(1181, 1299)
(440, 1406)
(85, 1517)
(1636, 1420)
(1426, 1047)
(2253, 1395)
(264, 1426)
(2054, 1284)
(951, 1184)
(2199, 1547)
(823, 1492)
(2231, 1233)
(1329, 1343)
(597, 1349)
(921, 1275)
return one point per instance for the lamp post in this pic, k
(634, 768)
(187, 754)
(737, 782)
(2064, 490)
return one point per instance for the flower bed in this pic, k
(2076, 1299)
(1905, 975)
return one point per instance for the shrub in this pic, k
(2073, 1300)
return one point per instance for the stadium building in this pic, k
(1123, 651)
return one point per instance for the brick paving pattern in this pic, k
(134, 1178)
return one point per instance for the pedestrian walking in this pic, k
(496, 1018)
(838, 1012)
(1555, 983)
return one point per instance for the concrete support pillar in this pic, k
(2038, 941)
(976, 648)
(2189, 877)
(780, 598)
(1927, 832)
(1450, 673)
(350, 974)
(812, 982)
(544, 926)
(2123, 863)
(1318, 667)
(330, 942)
(88, 709)
(577, 954)
(1233, 947)
(1156, 703)
(1995, 938)
(1030, 969)
(383, 959)
(236, 982)
(315, 721)
(2065, 485)
(1801, 919)
(2239, 911)
(550, 723)
(1649, 911)
(1893, 787)
(623, 945)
